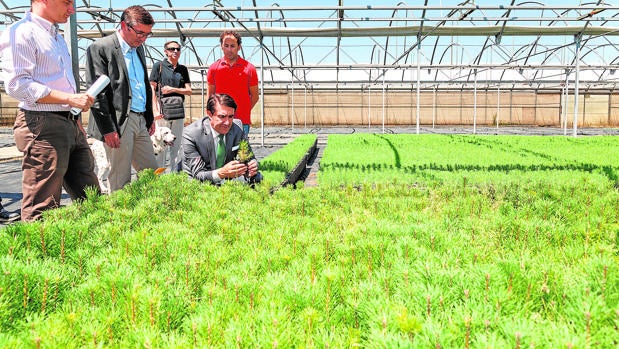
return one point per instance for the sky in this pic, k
(373, 50)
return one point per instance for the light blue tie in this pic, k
(138, 100)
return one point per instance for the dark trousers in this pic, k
(56, 155)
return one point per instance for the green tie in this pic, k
(221, 152)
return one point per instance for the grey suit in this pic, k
(198, 153)
(111, 111)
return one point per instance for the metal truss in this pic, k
(471, 44)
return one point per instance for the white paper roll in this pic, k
(94, 90)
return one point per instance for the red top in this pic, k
(235, 81)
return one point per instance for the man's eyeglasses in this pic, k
(140, 34)
(177, 49)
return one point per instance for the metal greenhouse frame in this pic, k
(472, 46)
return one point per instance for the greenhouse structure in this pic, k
(436, 174)
(541, 63)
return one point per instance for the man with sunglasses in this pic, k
(122, 115)
(170, 83)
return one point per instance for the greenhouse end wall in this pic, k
(326, 108)
(399, 108)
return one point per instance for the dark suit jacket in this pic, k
(198, 153)
(111, 107)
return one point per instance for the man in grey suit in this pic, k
(210, 145)
(122, 115)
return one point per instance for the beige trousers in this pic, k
(136, 149)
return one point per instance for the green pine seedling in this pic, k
(244, 154)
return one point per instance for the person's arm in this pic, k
(154, 78)
(185, 74)
(80, 100)
(231, 170)
(210, 90)
(186, 90)
(194, 163)
(180, 90)
(156, 108)
(96, 65)
(210, 82)
(19, 60)
(77, 100)
(252, 165)
(254, 95)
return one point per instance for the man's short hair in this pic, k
(137, 14)
(171, 42)
(236, 35)
(221, 99)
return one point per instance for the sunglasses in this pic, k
(177, 49)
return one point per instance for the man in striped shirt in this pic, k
(38, 72)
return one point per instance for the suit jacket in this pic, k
(198, 153)
(111, 107)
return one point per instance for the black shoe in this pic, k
(257, 178)
(6, 217)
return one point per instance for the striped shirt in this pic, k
(35, 61)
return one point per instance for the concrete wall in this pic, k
(326, 108)
(323, 108)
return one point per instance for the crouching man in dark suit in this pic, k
(210, 145)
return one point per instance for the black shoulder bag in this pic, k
(171, 107)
